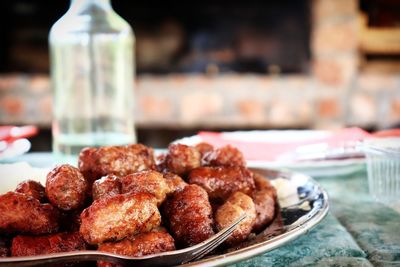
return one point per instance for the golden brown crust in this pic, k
(181, 159)
(221, 182)
(33, 189)
(114, 218)
(119, 160)
(39, 245)
(156, 241)
(174, 182)
(107, 186)
(148, 181)
(189, 215)
(204, 148)
(224, 156)
(66, 188)
(234, 207)
(264, 197)
(20, 213)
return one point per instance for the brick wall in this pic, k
(334, 94)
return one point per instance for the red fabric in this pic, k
(270, 151)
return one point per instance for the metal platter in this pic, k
(303, 203)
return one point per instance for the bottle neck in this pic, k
(81, 5)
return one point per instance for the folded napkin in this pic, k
(270, 145)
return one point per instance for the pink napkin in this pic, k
(271, 150)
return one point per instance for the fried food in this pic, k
(114, 218)
(264, 197)
(66, 188)
(148, 181)
(107, 186)
(20, 213)
(33, 189)
(156, 241)
(224, 156)
(182, 158)
(95, 163)
(39, 245)
(221, 182)
(204, 148)
(174, 182)
(234, 207)
(189, 215)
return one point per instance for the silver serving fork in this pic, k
(169, 258)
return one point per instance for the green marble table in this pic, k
(357, 231)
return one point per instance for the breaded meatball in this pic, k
(262, 183)
(264, 197)
(234, 207)
(33, 189)
(189, 215)
(221, 182)
(204, 148)
(175, 182)
(114, 218)
(20, 213)
(224, 156)
(119, 160)
(146, 182)
(4, 248)
(107, 186)
(66, 188)
(39, 245)
(182, 158)
(156, 241)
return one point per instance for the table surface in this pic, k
(356, 232)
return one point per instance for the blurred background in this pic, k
(206, 65)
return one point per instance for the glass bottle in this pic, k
(92, 70)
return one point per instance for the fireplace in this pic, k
(180, 37)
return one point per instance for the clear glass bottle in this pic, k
(92, 70)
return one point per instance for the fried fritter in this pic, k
(20, 213)
(114, 218)
(224, 156)
(264, 197)
(33, 189)
(234, 207)
(175, 182)
(39, 245)
(182, 158)
(221, 182)
(189, 215)
(147, 181)
(204, 148)
(156, 241)
(66, 188)
(119, 160)
(107, 186)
